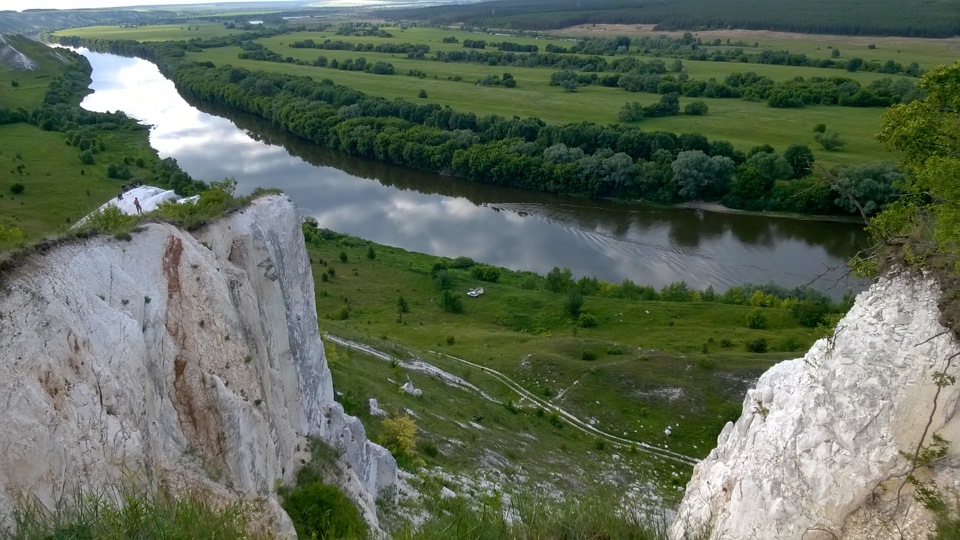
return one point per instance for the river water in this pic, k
(451, 217)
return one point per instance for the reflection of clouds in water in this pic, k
(611, 241)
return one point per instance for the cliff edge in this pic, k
(826, 442)
(191, 362)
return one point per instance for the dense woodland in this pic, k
(932, 18)
(584, 159)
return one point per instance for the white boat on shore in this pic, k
(473, 293)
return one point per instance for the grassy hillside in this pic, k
(645, 367)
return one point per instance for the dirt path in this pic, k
(458, 382)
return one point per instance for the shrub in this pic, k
(322, 511)
(371, 254)
(757, 320)
(402, 305)
(443, 279)
(462, 262)
(451, 302)
(485, 272)
(555, 421)
(17, 188)
(343, 256)
(586, 320)
(808, 312)
(757, 345)
(422, 94)
(573, 303)
(399, 435)
(589, 356)
(696, 108)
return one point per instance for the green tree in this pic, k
(698, 174)
(451, 302)
(829, 140)
(868, 188)
(631, 112)
(422, 94)
(800, 158)
(696, 108)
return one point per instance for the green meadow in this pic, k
(645, 366)
(154, 32)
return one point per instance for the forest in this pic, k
(932, 19)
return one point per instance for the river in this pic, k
(451, 217)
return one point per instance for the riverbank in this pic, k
(721, 209)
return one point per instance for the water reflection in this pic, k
(447, 216)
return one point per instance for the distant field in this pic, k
(924, 51)
(157, 32)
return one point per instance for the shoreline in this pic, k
(721, 209)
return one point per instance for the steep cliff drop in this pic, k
(191, 362)
(826, 442)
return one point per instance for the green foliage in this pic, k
(371, 254)
(696, 108)
(399, 435)
(757, 320)
(17, 188)
(323, 511)
(586, 320)
(573, 303)
(801, 160)
(11, 237)
(809, 313)
(402, 305)
(443, 279)
(451, 301)
(758, 345)
(485, 272)
(343, 256)
(830, 140)
(136, 514)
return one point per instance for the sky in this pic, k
(20, 5)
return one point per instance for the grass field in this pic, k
(155, 32)
(56, 193)
(926, 52)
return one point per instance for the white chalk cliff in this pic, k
(189, 361)
(819, 450)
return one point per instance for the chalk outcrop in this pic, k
(188, 361)
(819, 451)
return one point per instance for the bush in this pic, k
(343, 256)
(462, 262)
(573, 303)
(485, 272)
(402, 305)
(422, 94)
(322, 511)
(830, 140)
(371, 254)
(451, 302)
(17, 188)
(757, 320)
(696, 108)
(809, 313)
(757, 346)
(588, 356)
(586, 320)
(443, 279)
(399, 435)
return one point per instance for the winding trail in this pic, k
(453, 380)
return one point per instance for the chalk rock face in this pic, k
(817, 452)
(188, 361)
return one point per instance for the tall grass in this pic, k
(533, 514)
(135, 514)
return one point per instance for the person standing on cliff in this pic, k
(136, 204)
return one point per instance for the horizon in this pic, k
(21, 5)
